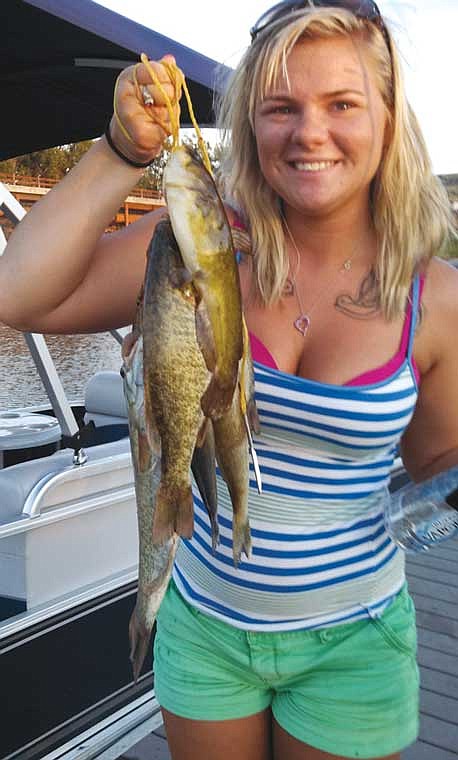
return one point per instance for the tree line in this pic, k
(54, 163)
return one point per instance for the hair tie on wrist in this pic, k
(120, 155)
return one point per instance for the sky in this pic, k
(426, 31)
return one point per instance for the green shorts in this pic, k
(349, 690)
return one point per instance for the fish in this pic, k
(203, 234)
(155, 562)
(203, 467)
(175, 378)
(232, 433)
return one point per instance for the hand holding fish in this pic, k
(142, 117)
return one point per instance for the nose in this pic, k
(310, 127)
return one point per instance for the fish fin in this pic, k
(215, 532)
(144, 452)
(179, 277)
(241, 540)
(217, 398)
(204, 336)
(150, 429)
(139, 638)
(127, 346)
(173, 513)
(253, 417)
(203, 467)
(205, 430)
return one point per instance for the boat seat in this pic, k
(83, 532)
(17, 481)
(106, 407)
(104, 399)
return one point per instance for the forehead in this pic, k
(336, 63)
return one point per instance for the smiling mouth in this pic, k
(313, 166)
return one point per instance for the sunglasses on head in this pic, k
(364, 9)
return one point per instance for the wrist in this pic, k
(128, 152)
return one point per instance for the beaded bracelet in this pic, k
(124, 158)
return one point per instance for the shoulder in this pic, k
(437, 332)
(440, 295)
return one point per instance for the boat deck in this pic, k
(433, 582)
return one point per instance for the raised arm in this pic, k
(430, 444)
(59, 272)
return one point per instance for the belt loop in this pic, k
(371, 613)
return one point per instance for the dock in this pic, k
(433, 583)
(27, 190)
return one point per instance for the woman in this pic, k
(307, 650)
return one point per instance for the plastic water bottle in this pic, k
(422, 515)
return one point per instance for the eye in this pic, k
(275, 108)
(343, 105)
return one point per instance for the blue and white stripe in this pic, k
(321, 554)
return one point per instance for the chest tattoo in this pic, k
(365, 304)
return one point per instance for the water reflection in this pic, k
(76, 357)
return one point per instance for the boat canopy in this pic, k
(59, 60)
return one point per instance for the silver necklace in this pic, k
(303, 321)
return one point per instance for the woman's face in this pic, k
(320, 140)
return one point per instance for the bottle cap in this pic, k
(452, 499)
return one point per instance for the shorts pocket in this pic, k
(397, 625)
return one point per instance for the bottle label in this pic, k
(442, 528)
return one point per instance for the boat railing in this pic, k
(23, 180)
(64, 528)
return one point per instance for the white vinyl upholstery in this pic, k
(104, 399)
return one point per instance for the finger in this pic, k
(160, 71)
(162, 78)
(169, 58)
(151, 94)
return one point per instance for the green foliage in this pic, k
(450, 181)
(56, 162)
(450, 250)
(53, 162)
(152, 177)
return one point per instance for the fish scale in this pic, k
(203, 234)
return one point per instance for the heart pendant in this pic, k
(302, 324)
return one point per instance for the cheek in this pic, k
(264, 139)
(366, 141)
(267, 147)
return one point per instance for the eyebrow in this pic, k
(286, 95)
(345, 91)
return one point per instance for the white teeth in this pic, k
(314, 166)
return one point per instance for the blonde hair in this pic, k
(410, 209)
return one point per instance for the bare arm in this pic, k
(59, 273)
(430, 443)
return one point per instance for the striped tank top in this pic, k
(321, 555)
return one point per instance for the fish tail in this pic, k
(215, 532)
(173, 513)
(241, 540)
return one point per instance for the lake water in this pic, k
(76, 357)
